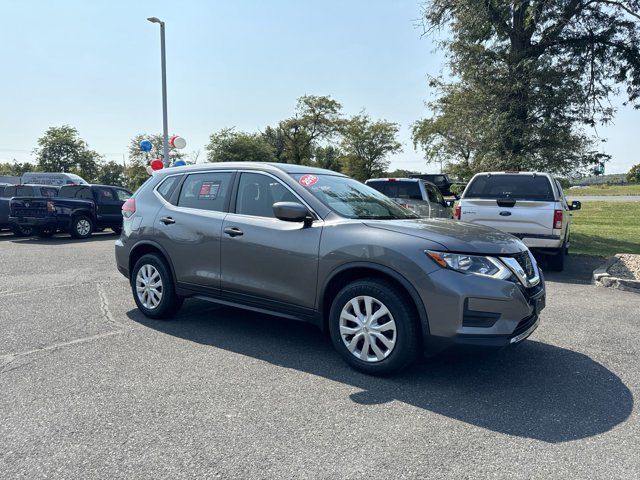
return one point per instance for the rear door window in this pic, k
(517, 187)
(122, 194)
(398, 189)
(206, 191)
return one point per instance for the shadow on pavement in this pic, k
(577, 269)
(534, 390)
(58, 238)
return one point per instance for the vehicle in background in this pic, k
(421, 197)
(528, 205)
(442, 181)
(7, 192)
(52, 178)
(78, 209)
(317, 246)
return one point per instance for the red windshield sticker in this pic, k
(308, 180)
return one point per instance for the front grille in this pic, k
(525, 262)
(524, 324)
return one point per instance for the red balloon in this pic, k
(157, 164)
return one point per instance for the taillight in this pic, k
(457, 213)
(51, 208)
(557, 219)
(129, 207)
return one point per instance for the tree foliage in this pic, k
(61, 149)
(139, 160)
(227, 145)
(634, 174)
(367, 145)
(112, 173)
(16, 169)
(529, 77)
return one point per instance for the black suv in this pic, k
(440, 180)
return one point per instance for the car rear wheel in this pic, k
(373, 327)
(81, 227)
(22, 230)
(153, 289)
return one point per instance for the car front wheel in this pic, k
(374, 327)
(153, 289)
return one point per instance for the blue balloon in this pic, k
(179, 163)
(146, 145)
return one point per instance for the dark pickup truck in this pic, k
(442, 181)
(7, 192)
(78, 209)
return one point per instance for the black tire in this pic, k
(45, 232)
(22, 230)
(78, 229)
(407, 339)
(117, 230)
(170, 302)
(556, 262)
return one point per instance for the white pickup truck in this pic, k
(529, 205)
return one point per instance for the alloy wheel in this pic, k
(83, 227)
(367, 329)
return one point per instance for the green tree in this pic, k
(316, 118)
(367, 145)
(328, 157)
(61, 149)
(634, 174)
(139, 160)
(16, 168)
(227, 145)
(528, 78)
(112, 173)
(400, 173)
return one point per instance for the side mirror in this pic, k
(575, 205)
(449, 203)
(291, 212)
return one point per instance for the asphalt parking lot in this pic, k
(91, 389)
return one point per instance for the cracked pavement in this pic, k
(91, 389)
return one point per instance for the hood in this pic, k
(455, 236)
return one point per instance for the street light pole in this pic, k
(165, 122)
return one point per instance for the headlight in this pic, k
(460, 262)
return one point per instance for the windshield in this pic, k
(517, 187)
(352, 199)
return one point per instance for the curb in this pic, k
(603, 278)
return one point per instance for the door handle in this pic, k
(167, 220)
(233, 231)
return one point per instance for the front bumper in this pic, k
(475, 310)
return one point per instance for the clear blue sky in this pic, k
(95, 65)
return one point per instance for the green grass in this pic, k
(606, 228)
(605, 190)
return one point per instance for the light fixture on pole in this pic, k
(165, 124)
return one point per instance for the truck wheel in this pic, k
(556, 261)
(373, 327)
(153, 289)
(45, 232)
(22, 230)
(81, 227)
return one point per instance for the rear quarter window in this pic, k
(518, 187)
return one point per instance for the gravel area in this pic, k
(627, 267)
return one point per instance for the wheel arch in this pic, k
(350, 272)
(145, 247)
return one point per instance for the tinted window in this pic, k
(398, 189)
(10, 191)
(48, 192)
(167, 186)
(519, 187)
(257, 193)
(76, 192)
(122, 194)
(105, 195)
(24, 191)
(206, 191)
(351, 198)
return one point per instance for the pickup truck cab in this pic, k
(421, 197)
(528, 205)
(9, 191)
(78, 209)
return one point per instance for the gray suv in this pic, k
(317, 246)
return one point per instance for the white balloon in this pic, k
(149, 169)
(179, 143)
